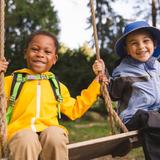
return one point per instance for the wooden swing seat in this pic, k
(115, 145)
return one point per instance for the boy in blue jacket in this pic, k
(135, 83)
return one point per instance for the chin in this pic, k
(144, 59)
(39, 71)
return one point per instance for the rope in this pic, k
(3, 135)
(104, 90)
(94, 29)
(98, 53)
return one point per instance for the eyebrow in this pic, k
(143, 38)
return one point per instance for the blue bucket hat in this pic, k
(120, 44)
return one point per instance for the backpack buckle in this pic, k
(11, 100)
(42, 76)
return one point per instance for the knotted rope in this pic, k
(104, 90)
(3, 104)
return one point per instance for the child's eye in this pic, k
(34, 49)
(147, 40)
(134, 43)
(48, 52)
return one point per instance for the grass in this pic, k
(81, 130)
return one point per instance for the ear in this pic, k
(56, 58)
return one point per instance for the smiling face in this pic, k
(41, 53)
(140, 45)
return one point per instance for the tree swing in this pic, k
(116, 145)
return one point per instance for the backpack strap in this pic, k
(54, 82)
(16, 87)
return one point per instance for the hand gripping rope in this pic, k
(113, 115)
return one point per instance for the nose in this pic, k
(40, 54)
(141, 45)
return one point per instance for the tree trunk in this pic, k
(154, 13)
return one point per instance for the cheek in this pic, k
(131, 50)
(55, 57)
(28, 55)
(52, 60)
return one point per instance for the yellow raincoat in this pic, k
(36, 106)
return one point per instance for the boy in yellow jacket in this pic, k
(33, 130)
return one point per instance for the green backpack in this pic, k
(20, 78)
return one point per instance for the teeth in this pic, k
(142, 52)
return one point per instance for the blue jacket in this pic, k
(136, 85)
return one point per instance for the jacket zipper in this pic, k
(38, 105)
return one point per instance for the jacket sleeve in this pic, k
(7, 86)
(76, 107)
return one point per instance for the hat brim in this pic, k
(120, 44)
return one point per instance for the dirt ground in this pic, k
(117, 158)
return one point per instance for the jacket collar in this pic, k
(30, 72)
(149, 63)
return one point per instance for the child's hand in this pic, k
(98, 67)
(102, 78)
(3, 65)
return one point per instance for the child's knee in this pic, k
(25, 137)
(24, 142)
(54, 136)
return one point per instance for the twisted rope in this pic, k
(3, 135)
(104, 90)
